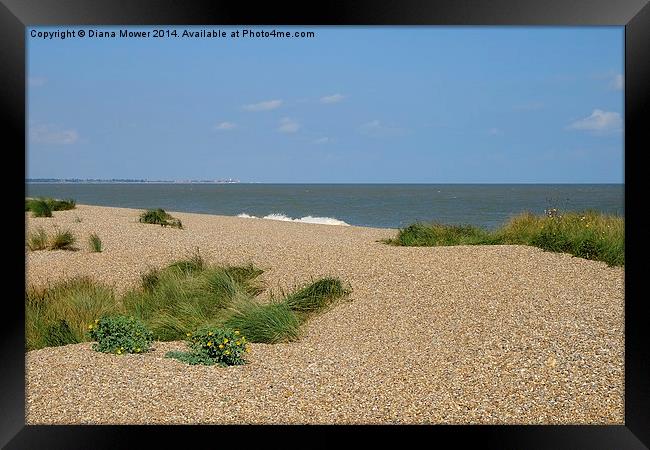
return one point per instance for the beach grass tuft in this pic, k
(59, 314)
(63, 240)
(37, 240)
(186, 294)
(39, 208)
(95, 243)
(182, 297)
(586, 234)
(160, 217)
(316, 296)
(268, 323)
(61, 205)
(43, 206)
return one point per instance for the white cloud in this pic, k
(332, 98)
(36, 81)
(495, 132)
(288, 125)
(225, 126)
(599, 121)
(263, 106)
(323, 140)
(52, 134)
(618, 82)
(375, 128)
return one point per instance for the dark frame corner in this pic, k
(16, 15)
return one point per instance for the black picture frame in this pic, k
(634, 15)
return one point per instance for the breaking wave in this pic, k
(306, 219)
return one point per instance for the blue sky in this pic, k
(362, 104)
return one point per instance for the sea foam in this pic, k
(306, 219)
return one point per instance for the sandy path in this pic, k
(484, 334)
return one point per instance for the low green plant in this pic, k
(95, 243)
(586, 234)
(120, 334)
(436, 234)
(42, 205)
(160, 217)
(63, 240)
(316, 296)
(213, 345)
(59, 314)
(149, 279)
(192, 264)
(37, 240)
(39, 208)
(61, 205)
(269, 323)
(187, 295)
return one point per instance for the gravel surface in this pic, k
(467, 334)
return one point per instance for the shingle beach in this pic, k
(456, 335)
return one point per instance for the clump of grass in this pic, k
(37, 240)
(63, 240)
(149, 279)
(587, 234)
(191, 264)
(436, 234)
(183, 297)
(43, 205)
(39, 208)
(60, 314)
(186, 295)
(95, 243)
(160, 217)
(316, 296)
(268, 323)
(61, 205)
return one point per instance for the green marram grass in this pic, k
(160, 217)
(37, 240)
(587, 234)
(43, 206)
(39, 208)
(60, 314)
(95, 243)
(316, 296)
(62, 240)
(185, 296)
(264, 322)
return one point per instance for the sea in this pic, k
(370, 205)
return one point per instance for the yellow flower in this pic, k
(96, 320)
(227, 352)
(90, 327)
(236, 331)
(138, 350)
(225, 341)
(189, 334)
(209, 333)
(119, 352)
(220, 345)
(248, 349)
(238, 342)
(209, 343)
